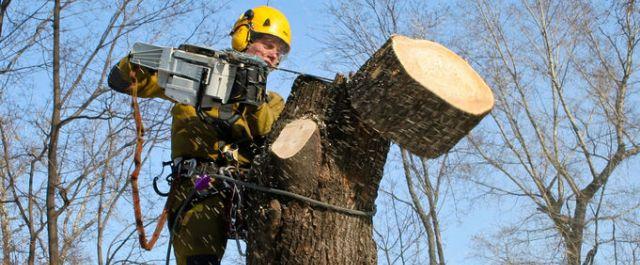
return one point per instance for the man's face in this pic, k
(269, 48)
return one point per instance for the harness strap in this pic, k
(226, 118)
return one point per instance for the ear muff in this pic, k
(241, 34)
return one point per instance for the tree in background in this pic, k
(66, 139)
(565, 123)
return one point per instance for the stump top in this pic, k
(293, 137)
(444, 73)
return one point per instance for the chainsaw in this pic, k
(203, 77)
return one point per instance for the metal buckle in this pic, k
(189, 166)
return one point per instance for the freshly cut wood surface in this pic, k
(444, 73)
(293, 137)
(420, 95)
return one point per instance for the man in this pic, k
(199, 233)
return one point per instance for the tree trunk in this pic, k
(33, 235)
(53, 178)
(420, 94)
(334, 158)
(5, 229)
(574, 239)
(321, 148)
(3, 9)
(5, 183)
(424, 217)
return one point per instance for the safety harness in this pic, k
(202, 173)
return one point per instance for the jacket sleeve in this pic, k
(262, 118)
(146, 85)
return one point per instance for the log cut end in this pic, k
(444, 73)
(420, 95)
(293, 138)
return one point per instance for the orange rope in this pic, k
(146, 244)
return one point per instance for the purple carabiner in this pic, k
(202, 182)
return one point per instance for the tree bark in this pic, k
(53, 178)
(3, 9)
(420, 94)
(340, 162)
(5, 229)
(574, 237)
(5, 184)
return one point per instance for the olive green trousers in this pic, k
(199, 229)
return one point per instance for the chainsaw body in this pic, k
(203, 77)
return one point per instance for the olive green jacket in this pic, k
(190, 136)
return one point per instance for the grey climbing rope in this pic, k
(296, 196)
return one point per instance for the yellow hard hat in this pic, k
(263, 20)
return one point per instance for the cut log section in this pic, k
(420, 95)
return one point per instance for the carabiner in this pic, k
(155, 188)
